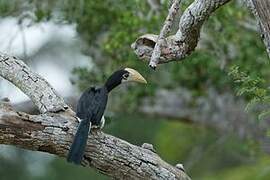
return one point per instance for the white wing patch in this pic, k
(102, 122)
(101, 125)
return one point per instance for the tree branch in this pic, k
(28, 106)
(185, 40)
(33, 85)
(164, 31)
(261, 11)
(219, 111)
(53, 132)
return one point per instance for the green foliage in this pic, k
(85, 75)
(198, 72)
(249, 86)
(176, 142)
(258, 171)
(8, 7)
(109, 27)
(89, 17)
(252, 87)
(59, 169)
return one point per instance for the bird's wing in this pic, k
(85, 101)
(102, 97)
(92, 104)
(90, 108)
(85, 111)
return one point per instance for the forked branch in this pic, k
(181, 44)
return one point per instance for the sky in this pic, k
(50, 49)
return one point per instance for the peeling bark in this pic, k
(54, 130)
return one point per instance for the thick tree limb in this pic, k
(220, 111)
(261, 11)
(34, 86)
(53, 132)
(30, 108)
(185, 40)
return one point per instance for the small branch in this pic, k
(161, 41)
(54, 132)
(181, 44)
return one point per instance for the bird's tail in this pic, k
(76, 151)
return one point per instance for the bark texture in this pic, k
(33, 85)
(53, 131)
(181, 44)
(161, 41)
(261, 11)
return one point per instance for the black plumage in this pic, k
(91, 107)
(92, 104)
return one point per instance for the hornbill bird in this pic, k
(91, 107)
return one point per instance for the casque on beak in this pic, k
(135, 76)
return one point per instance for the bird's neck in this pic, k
(111, 84)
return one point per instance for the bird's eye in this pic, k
(125, 76)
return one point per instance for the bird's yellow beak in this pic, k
(135, 76)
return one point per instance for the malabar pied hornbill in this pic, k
(91, 107)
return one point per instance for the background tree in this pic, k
(198, 88)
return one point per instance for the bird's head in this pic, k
(131, 75)
(123, 76)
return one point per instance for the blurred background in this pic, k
(190, 111)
